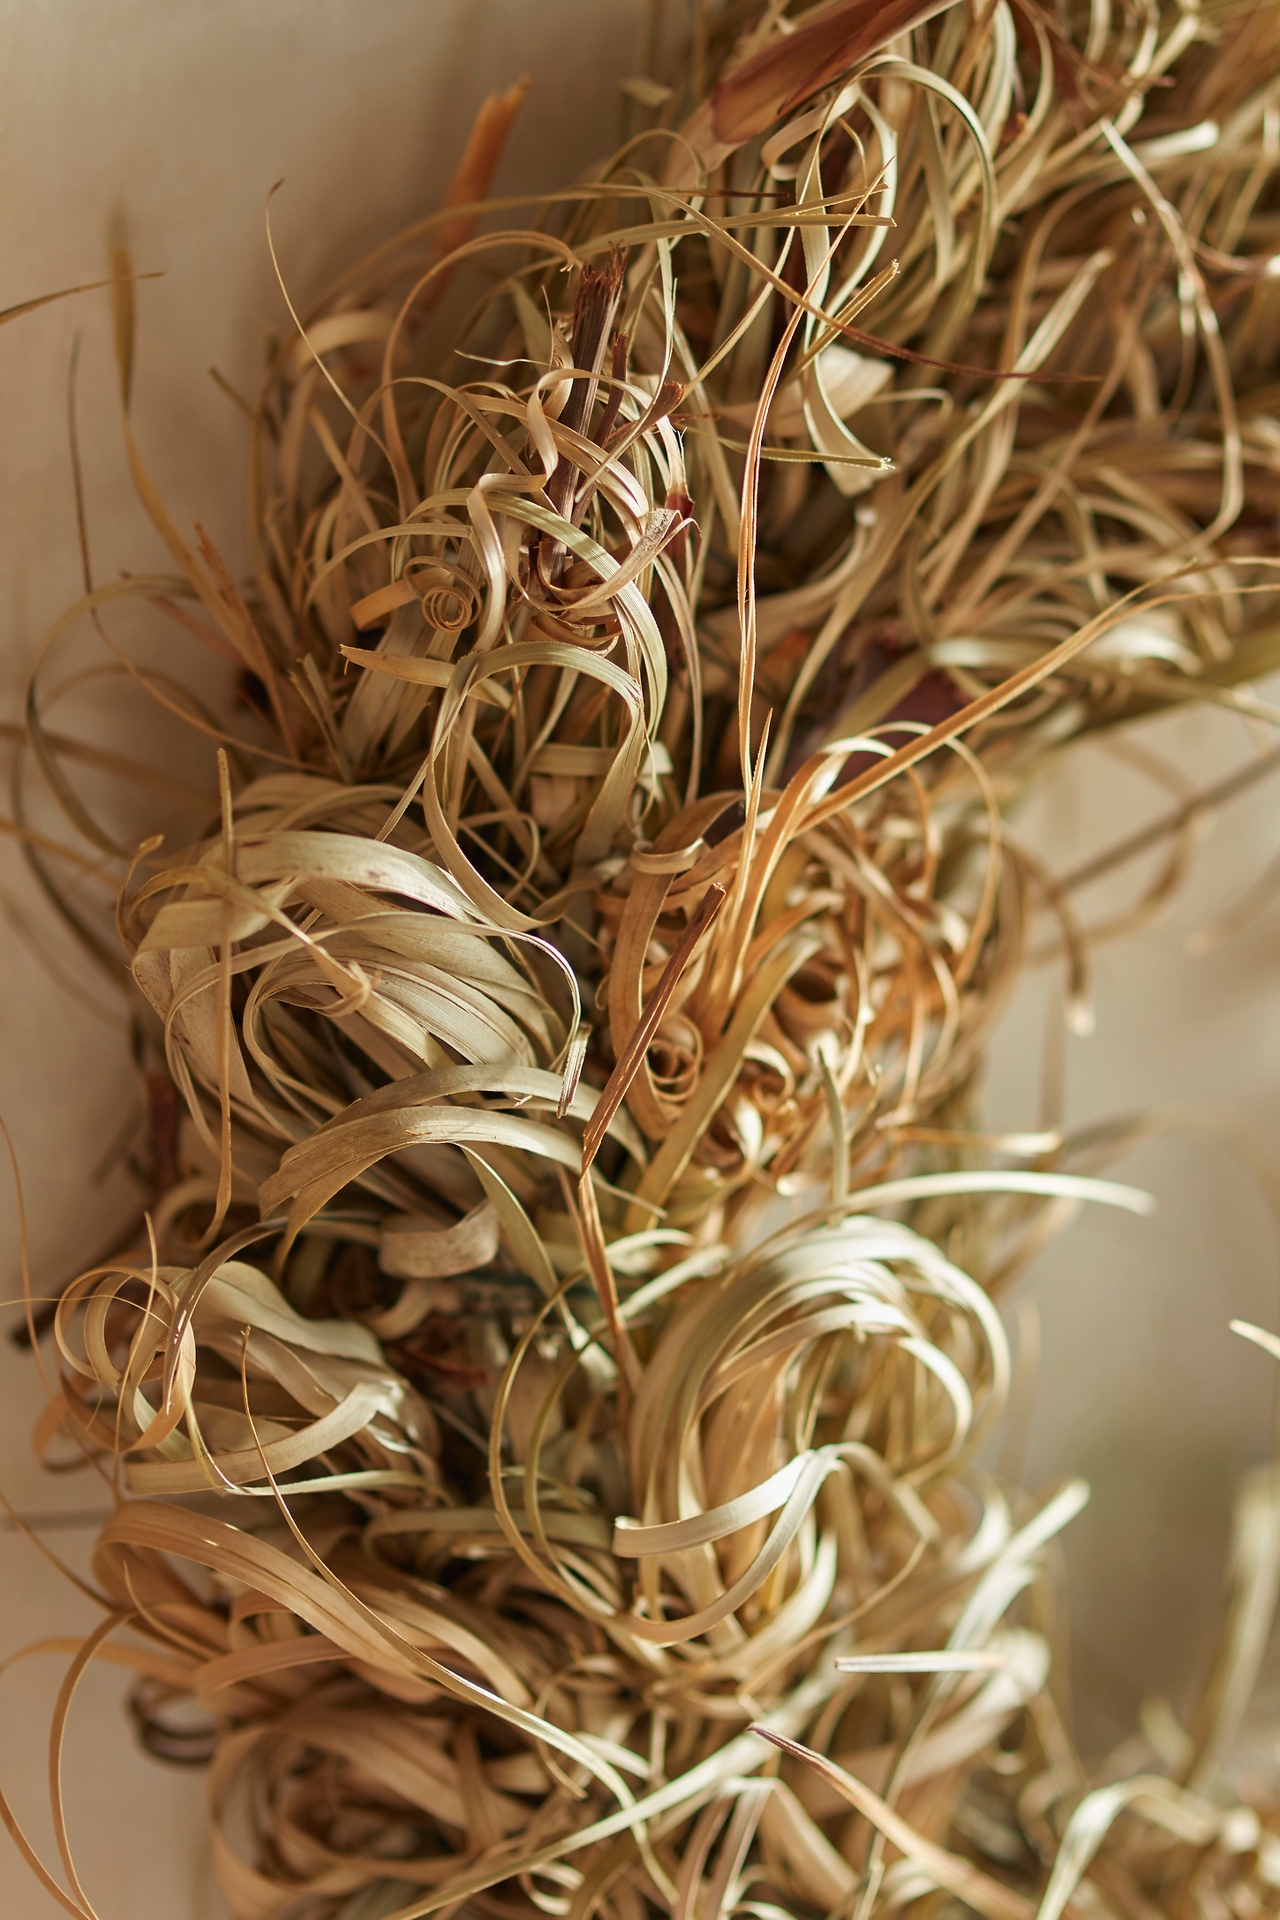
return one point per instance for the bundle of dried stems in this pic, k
(543, 1410)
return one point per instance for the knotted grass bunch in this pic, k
(544, 1408)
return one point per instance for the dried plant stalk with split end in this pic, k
(662, 593)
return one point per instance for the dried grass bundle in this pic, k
(661, 598)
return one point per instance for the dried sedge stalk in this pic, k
(597, 933)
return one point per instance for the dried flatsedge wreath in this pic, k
(575, 996)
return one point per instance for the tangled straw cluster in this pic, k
(577, 994)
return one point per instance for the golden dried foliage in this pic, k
(575, 989)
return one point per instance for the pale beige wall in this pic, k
(1142, 1387)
